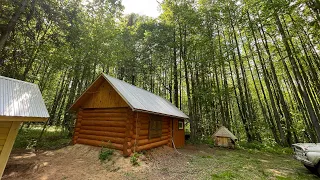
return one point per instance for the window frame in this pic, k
(155, 127)
(180, 122)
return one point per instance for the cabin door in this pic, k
(178, 132)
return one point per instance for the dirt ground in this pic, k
(192, 162)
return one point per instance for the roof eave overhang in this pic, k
(130, 105)
(23, 118)
(73, 108)
(140, 110)
(161, 114)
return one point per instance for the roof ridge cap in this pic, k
(17, 80)
(135, 86)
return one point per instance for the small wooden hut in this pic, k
(114, 113)
(224, 138)
(19, 102)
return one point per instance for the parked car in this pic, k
(308, 154)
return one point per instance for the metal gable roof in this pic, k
(141, 100)
(21, 99)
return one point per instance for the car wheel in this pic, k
(312, 169)
(318, 169)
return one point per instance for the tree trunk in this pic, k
(12, 23)
(300, 81)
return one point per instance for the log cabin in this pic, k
(116, 114)
(224, 138)
(19, 102)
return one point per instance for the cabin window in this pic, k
(180, 125)
(155, 127)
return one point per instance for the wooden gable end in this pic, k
(104, 97)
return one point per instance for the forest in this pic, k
(250, 65)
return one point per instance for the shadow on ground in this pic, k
(192, 162)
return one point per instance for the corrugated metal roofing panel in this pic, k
(142, 100)
(19, 98)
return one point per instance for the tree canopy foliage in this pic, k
(250, 65)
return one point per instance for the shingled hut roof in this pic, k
(224, 132)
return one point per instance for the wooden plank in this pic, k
(145, 126)
(106, 114)
(102, 138)
(165, 130)
(102, 133)
(2, 141)
(103, 123)
(106, 110)
(152, 145)
(178, 134)
(78, 124)
(22, 119)
(85, 95)
(136, 131)
(127, 139)
(139, 137)
(169, 131)
(149, 141)
(99, 128)
(105, 118)
(104, 97)
(141, 132)
(4, 130)
(77, 127)
(100, 143)
(142, 114)
(3, 136)
(5, 124)
(4, 156)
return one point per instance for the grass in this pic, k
(270, 147)
(53, 138)
(247, 164)
(265, 147)
(134, 159)
(105, 154)
(224, 175)
(247, 161)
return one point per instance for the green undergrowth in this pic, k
(225, 175)
(253, 146)
(105, 154)
(265, 147)
(134, 159)
(53, 138)
(228, 164)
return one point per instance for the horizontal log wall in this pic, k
(141, 133)
(103, 127)
(119, 128)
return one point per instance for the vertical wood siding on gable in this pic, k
(104, 97)
(7, 141)
(4, 130)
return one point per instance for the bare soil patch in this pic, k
(72, 162)
(192, 162)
